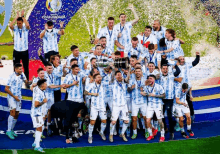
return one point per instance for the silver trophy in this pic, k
(118, 63)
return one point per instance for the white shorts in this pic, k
(13, 104)
(180, 111)
(38, 121)
(95, 112)
(128, 99)
(158, 111)
(116, 110)
(108, 100)
(136, 107)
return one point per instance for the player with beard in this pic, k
(159, 32)
(97, 93)
(122, 31)
(155, 93)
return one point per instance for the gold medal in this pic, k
(77, 85)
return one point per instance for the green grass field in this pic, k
(191, 146)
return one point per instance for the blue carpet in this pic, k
(25, 139)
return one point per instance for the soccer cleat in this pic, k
(184, 135)
(13, 133)
(33, 145)
(102, 136)
(90, 140)
(191, 133)
(150, 138)
(146, 134)
(124, 138)
(162, 139)
(134, 136)
(10, 135)
(111, 138)
(154, 131)
(39, 149)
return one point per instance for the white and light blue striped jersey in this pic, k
(159, 35)
(119, 93)
(97, 101)
(128, 94)
(136, 96)
(157, 90)
(50, 41)
(50, 81)
(38, 95)
(125, 39)
(58, 73)
(107, 51)
(167, 82)
(107, 87)
(177, 50)
(155, 57)
(185, 73)
(155, 73)
(80, 61)
(20, 38)
(109, 37)
(75, 92)
(15, 83)
(181, 95)
(87, 84)
(138, 51)
(146, 40)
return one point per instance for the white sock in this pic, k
(10, 122)
(91, 127)
(188, 127)
(143, 123)
(37, 138)
(155, 124)
(42, 128)
(13, 125)
(162, 132)
(182, 129)
(103, 126)
(112, 128)
(150, 131)
(124, 128)
(134, 131)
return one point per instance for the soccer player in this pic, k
(159, 32)
(75, 54)
(13, 88)
(153, 56)
(155, 93)
(49, 36)
(147, 38)
(139, 102)
(182, 107)
(122, 31)
(97, 93)
(21, 42)
(108, 33)
(37, 112)
(135, 49)
(119, 89)
(40, 73)
(107, 52)
(185, 72)
(74, 84)
(50, 77)
(167, 82)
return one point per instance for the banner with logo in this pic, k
(44, 10)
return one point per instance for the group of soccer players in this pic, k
(156, 82)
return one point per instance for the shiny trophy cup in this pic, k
(118, 63)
